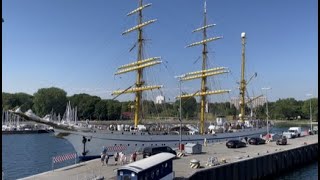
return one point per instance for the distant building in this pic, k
(160, 99)
(126, 115)
(255, 103)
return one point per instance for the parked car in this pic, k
(152, 150)
(282, 141)
(256, 141)
(235, 143)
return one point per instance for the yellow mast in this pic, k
(204, 73)
(139, 65)
(243, 81)
(139, 71)
(204, 67)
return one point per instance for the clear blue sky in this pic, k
(77, 45)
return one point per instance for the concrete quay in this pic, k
(94, 169)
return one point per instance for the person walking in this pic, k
(123, 159)
(103, 155)
(116, 157)
(246, 139)
(102, 158)
(134, 156)
(107, 159)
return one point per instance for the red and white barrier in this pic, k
(116, 148)
(64, 157)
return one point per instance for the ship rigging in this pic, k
(204, 73)
(139, 65)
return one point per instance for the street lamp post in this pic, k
(267, 110)
(310, 112)
(180, 111)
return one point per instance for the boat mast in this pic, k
(139, 71)
(243, 81)
(204, 73)
(204, 67)
(139, 65)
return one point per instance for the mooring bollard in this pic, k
(194, 163)
(180, 154)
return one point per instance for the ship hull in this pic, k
(39, 131)
(128, 142)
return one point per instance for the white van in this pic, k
(296, 129)
(293, 132)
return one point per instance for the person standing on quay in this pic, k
(102, 159)
(133, 157)
(107, 159)
(246, 139)
(116, 157)
(103, 155)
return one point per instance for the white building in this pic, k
(160, 99)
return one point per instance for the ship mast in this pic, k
(243, 82)
(204, 66)
(204, 73)
(139, 65)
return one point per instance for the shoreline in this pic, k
(294, 122)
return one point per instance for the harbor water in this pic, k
(28, 154)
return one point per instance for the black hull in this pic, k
(40, 131)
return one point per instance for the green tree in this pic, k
(286, 109)
(114, 110)
(26, 101)
(86, 105)
(232, 110)
(189, 107)
(223, 109)
(167, 109)
(148, 108)
(101, 110)
(8, 101)
(261, 112)
(314, 108)
(46, 99)
(22, 100)
(126, 106)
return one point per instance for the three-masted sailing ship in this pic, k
(88, 142)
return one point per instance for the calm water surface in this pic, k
(28, 154)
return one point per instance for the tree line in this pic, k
(47, 100)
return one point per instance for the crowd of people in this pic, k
(119, 157)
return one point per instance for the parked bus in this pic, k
(158, 166)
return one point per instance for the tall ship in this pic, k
(88, 141)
